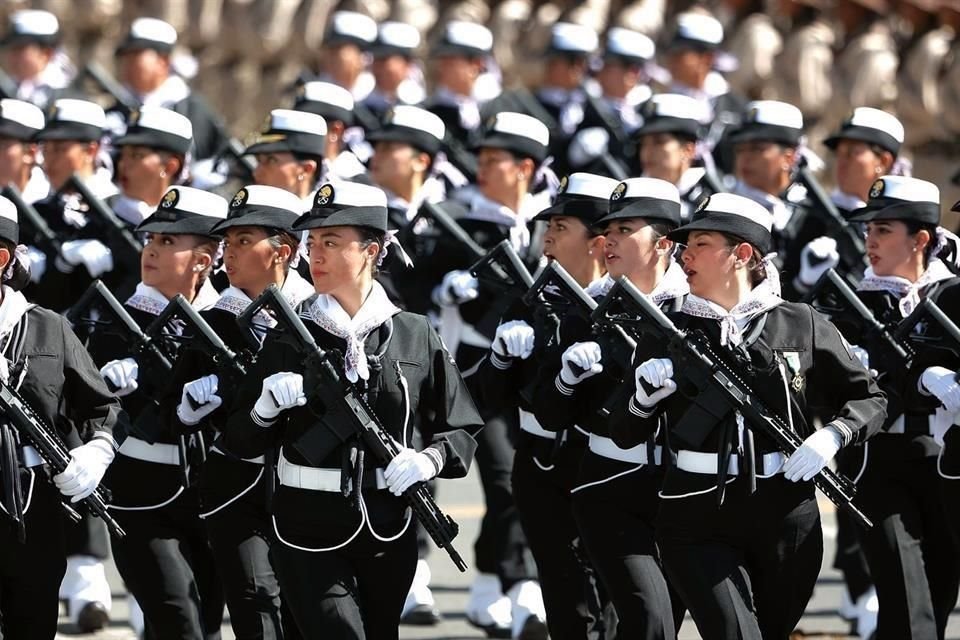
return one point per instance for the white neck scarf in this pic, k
(173, 90)
(150, 300)
(908, 292)
(483, 208)
(12, 310)
(330, 316)
(131, 210)
(672, 285)
(295, 290)
(846, 201)
(777, 207)
(732, 323)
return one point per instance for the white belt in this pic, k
(608, 449)
(30, 457)
(702, 462)
(530, 424)
(257, 460)
(315, 478)
(157, 452)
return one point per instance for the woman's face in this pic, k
(25, 61)
(498, 174)
(170, 261)
(142, 172)
(248, 257)
(278, 169)
(708, 261)
(890, 248)
(568, 241)
(630, 247)
(63, 158)
(16, 159)
(389, 72)
(858, 166)
(338, 259)
(663, 156)
(393, 165)
(762, 165)
(456, 73)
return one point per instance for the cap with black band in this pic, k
(20, 120)
(770, 121)
(901, 198)
(185, 210)
(649, 198)
(262, 206)
(32, 26)
(517, 133)
(417, 127)
(70, 119)
(348, 204)
(158, 128)
(584, 196)
(733, 215)
(149, 34)
(291, 131)
(326, 99)
(871, 126)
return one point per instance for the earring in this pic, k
(163, 174)
(878, 170)
(300, 177)
(198, 269)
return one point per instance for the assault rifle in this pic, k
(946, 340)
(51, 449)
(874, 331)
(142, 344)
(719, 389)
(33, 228)
(346, 415)
(448, 226)
(122, 238)
(502, 269)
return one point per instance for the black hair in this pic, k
(756, 268)
(19, 275)
(914, 227)
(306, 157)
(369, 235)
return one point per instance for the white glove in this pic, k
(580, 361)
(456, 288)
(88, 463)
(818, 257)
(408, 468)
(863, 356)
(280, 391)
(204, 393)
(38, 264)
(93, 254)
(122, 374)
(813, 455)
(658, 372)
(941, 382)
(514, 339)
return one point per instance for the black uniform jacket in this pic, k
(901, 384)
(818, 370)
(415, 383)
(62, 384)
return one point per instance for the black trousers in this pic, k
(850, 559)
(615, 519)
(948, 468)
(911, 553)
(745, 570)
(354, 593)
(167, 564)
(31, 572)
(240, 538)
(541, 489)
(501, 547)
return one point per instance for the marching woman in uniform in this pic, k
(153, 154)
(541, 480)
(165, 559)
(345, 562)
(743, 546)
(44, 361)
(615, 490)
(289, 152)
(258, 249)
(910, 553)
(502, 207)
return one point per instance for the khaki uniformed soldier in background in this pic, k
(755, 42)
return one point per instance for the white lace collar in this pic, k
(12, 310)
(672, 285)
(376, 309)
(732, 323)
(599, 287)
(295, 290)
(173, 90)
(131, 210)
(908, 292)
(846, 201)
(485, 209)
(150, 300)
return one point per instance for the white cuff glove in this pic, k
(818, 257)
(580, 361)
(38, 264)
(658, 373)
(863, 356)
(93, 254)
(813, 455)
(942, 383)
(88, 463)
(456, 288)
(514, 339)
(280, 391)
(408, 468)
(203, 392)
(121, 376)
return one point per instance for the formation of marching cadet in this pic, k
(634, 294)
